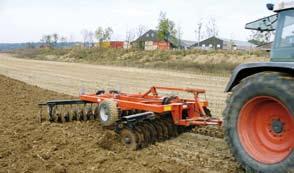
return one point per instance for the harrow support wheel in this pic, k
(129, 138)
(259, 127)
(108, 113)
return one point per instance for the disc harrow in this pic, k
(140, 119)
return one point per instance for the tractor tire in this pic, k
(259, 122)
(108, 113)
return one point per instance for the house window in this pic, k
(218, 46)
(152, 35)
(203, 45)
(210, 45)
(147, 35)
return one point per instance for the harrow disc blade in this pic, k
(129, 138)
(141, 138)
(158, 130)
(145, 133)
(164, 129)
(89, 113)
(169, 128)
(152, 130)
(150, 133)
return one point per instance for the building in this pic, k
(150, 41)
(221, 43)
(113, 44)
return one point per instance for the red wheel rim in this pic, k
(265, 129)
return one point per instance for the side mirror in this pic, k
(270, 7)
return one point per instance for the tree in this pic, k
(166, 27)
(198, 32)
(211, 28)
(99, 34)
(63, 39)
(103, 34)
(260, 38)
(179, 33)
(130, 36)
(108, 33)
(141, 29)
(55, 38)
(91, 38)
(86, 34)
(46, 40)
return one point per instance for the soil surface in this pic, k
(69, 78)
(29, 146)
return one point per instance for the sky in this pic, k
(29, 20)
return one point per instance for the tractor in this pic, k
(259, 116)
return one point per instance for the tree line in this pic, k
(166, 28)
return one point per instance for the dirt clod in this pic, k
(108, 140)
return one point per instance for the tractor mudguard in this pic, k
(245, 70)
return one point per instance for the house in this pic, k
(210, 43)
(222, 43)
(150, 41)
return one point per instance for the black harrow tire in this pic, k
(111, 112)
(274, 84)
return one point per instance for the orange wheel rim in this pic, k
(265, 129)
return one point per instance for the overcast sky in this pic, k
(28, 20)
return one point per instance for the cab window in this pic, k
(287, 33)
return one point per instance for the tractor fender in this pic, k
(244, 70)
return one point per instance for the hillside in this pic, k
(196, 61)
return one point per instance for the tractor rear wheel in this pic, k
(259, 122)
(108, 113)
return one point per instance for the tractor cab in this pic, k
(283, 24)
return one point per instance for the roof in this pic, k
(152, 35)
(187, 43)
(239, 43)
(284, 6)
(207, 39)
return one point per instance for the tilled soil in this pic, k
(29, 146)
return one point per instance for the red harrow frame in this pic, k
(139, 118)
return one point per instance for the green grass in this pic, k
(219, 62)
